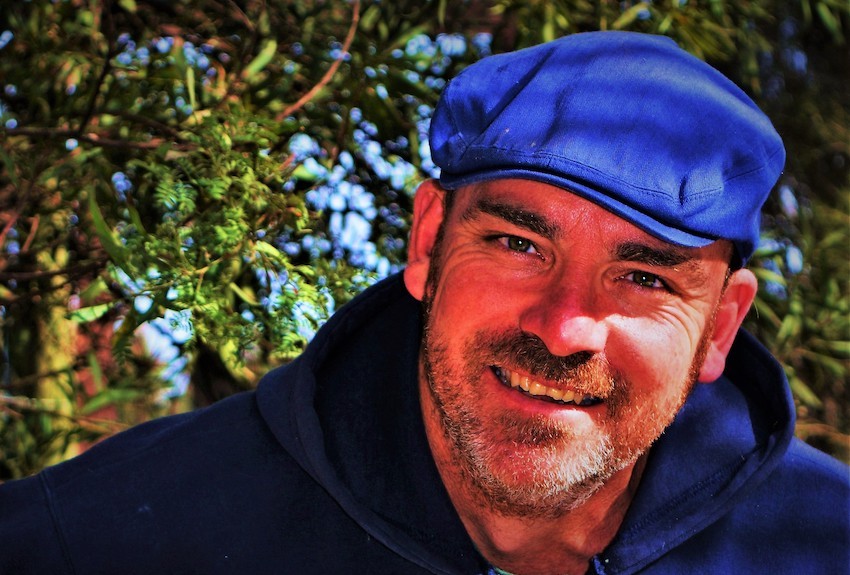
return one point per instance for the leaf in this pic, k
(136, 219)
(665, 24)
(804, 393)
(836, 368)
(262, 60)
(109, 397)
(116, 251)
(6, 293)
(369, 18)
(244, 294)
(548, 32)
(93, 290)
(629, 16)
(838, 237)
(790, 327)
(128, 5)
(87, 314)
(839, 347)
(269, 251)
(190, 86)
(830, 21)
(96, 371)
(766, 275)
(305, 174)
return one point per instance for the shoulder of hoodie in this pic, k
(810, 469)
(210, 429)
(807, 493)
(160, 461)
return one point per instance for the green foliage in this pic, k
(149, 178)
(803, 315)
(228, 174)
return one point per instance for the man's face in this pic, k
(560, 341)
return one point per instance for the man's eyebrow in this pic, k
(512, 214)
(654, 256)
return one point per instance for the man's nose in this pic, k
(567, 317)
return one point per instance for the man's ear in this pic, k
(734, 305)
(427, 218)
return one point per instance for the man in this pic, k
(576, 398)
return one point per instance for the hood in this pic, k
(729, 436)
(348, 411)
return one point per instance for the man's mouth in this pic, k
(543, 392)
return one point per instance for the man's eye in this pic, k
(646, 280)
(518, 244)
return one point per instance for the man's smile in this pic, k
(539, 391)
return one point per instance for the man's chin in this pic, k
(543, 482)
(529, 500)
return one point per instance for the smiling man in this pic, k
(557, 384)
(580, 265)
(539, 405)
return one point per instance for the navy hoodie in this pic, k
(325, 469)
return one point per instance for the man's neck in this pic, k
(563, 545)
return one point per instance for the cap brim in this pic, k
(602, 198)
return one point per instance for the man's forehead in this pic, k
(484, 199)
(535, 205)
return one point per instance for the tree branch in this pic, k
(31, 236)
(8, 227)
(37, 275)
(349, 38)
(17, 405)
(95, 139)
(150, 122)
(111, 51)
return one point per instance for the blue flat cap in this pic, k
(629, 121)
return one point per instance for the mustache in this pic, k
(529, 353)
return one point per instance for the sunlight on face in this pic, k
(531, 456)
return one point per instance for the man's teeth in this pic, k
(538, 389)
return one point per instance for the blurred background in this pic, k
(189, 188)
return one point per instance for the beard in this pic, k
(536, 466)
